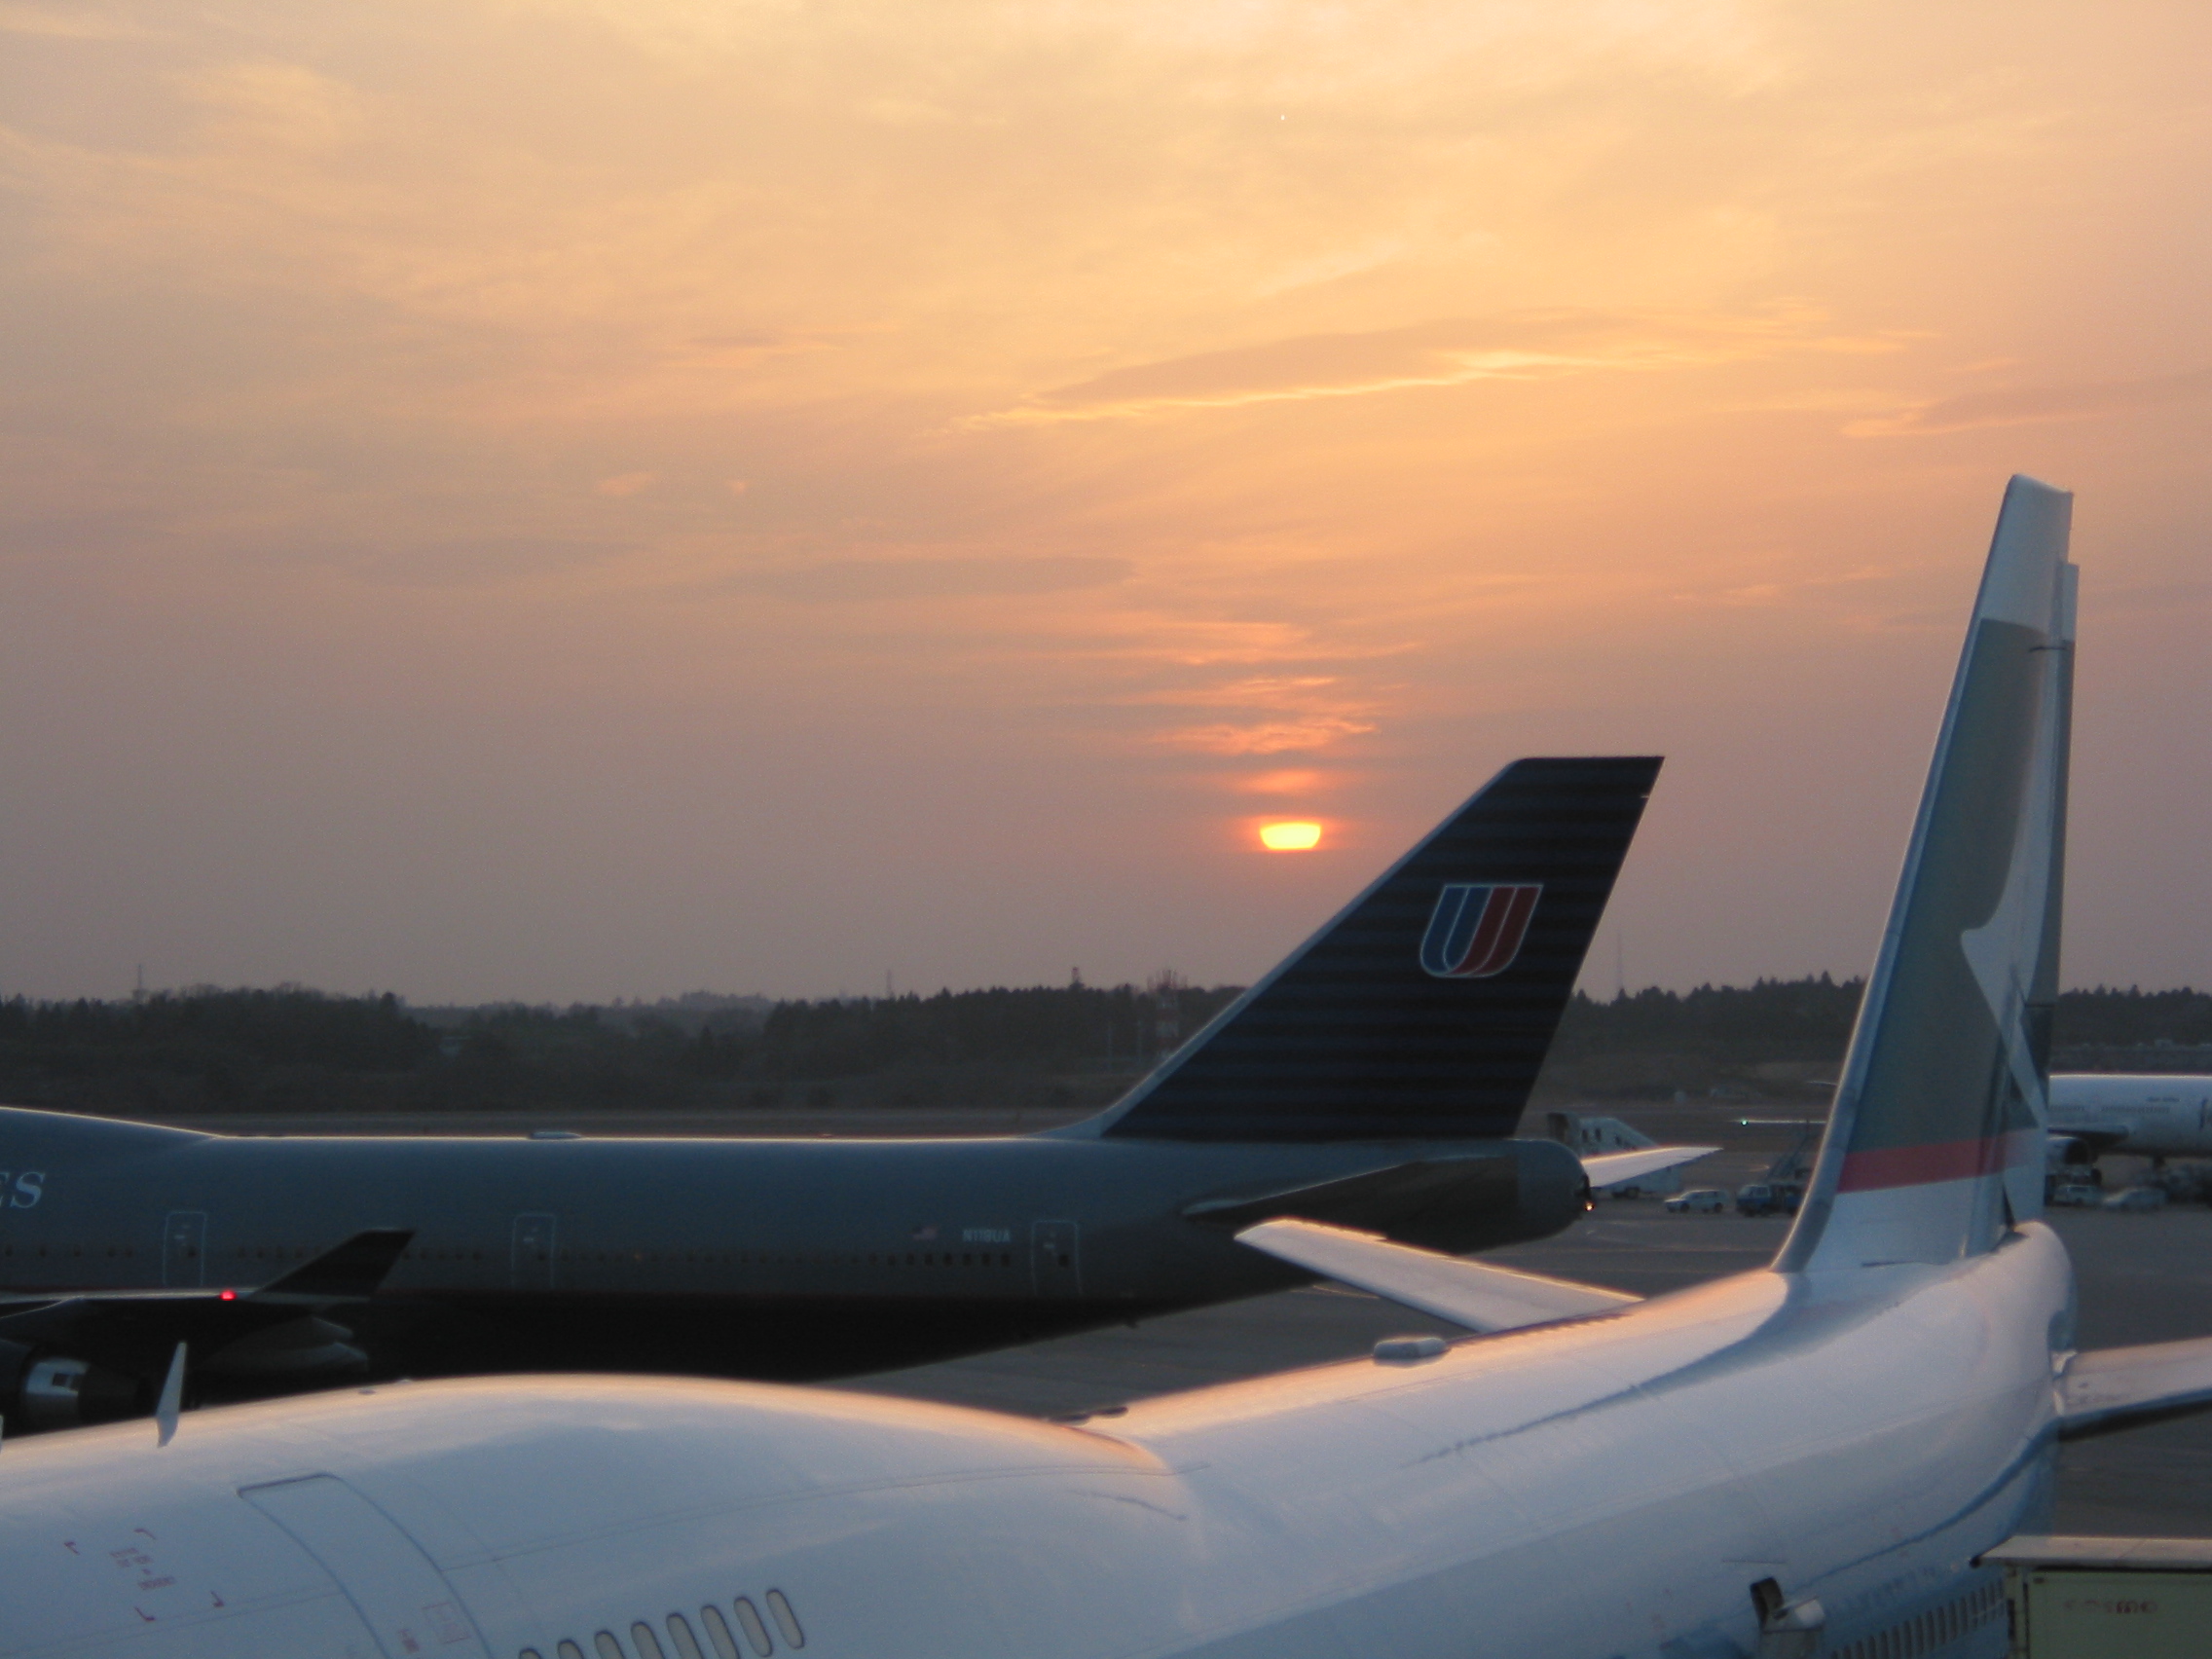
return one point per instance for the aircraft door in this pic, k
(184, 1249)
(401, 1596)
(530, 1254)
(1056, 1260)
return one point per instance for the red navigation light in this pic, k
(229, 1296)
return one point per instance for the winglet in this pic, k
(349, 1273)
(172, 1399)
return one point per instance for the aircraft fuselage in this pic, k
(763, 1258)
(2141, 1114)
(1612, 1486)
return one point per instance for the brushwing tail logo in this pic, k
(1477, 927)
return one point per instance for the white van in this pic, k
(1698, 1200)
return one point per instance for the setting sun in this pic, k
(1290, 838)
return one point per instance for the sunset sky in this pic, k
(567, 501)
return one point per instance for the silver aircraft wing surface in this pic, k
(1611, 1169)
(1473, 1293)
(2119, 1388)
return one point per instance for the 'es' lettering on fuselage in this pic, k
(26, 1190)
(1477, 927)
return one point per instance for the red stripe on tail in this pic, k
(1504, 925)
(1917, 1165)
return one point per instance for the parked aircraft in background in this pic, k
(1807, 1458)
(1371, 1078)
(2093, 1113)
(1589, 1137)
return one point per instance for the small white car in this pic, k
(1698, 1200)
(2136, 1199)
(2076, 1194)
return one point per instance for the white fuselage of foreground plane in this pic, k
(1604, 1487)
(2151, 1117)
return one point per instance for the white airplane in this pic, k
(2093, 1113)
(1802, 1459)
(1606, 1144)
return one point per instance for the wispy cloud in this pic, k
(1455, 351)
(862, 581)
(1304, 734)
(2029, 406)
(72, 22)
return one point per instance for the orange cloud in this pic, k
(2029, 406)
(1269, 737)
(1451, 352)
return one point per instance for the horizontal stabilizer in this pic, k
(1446, 1203)
(2122, 1387)
(1611, 1169)
(1472, 1294)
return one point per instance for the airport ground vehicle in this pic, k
(2073, 1598)
(1810, 1458)
(2182, 1183)
(1769, 1198)
(1374, 1077)
(2135, 1198)
(2075, 1195)
(1698, 1200)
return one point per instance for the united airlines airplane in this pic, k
(1372, 1079)
(1804, 1459)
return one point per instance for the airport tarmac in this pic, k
(2142, 1278)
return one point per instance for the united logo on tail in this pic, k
(1476, 929)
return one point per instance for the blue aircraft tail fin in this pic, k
(1425, 1010)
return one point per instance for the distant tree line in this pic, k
(291, 1048)
(1783, 1040)
(295, 1050)
(1811, 1019)
(1771, 1019)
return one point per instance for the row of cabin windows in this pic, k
(645, 1644)
(800, 1258)
(726, 1258)
(1926, 1633)
(749, 1258)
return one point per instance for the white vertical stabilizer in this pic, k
(1936, 1143)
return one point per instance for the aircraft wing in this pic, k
(1473, 1293)
(126, 1327)
(2095, 1142)
(349, 1272)
(2108, 1389)
(1611, 1169)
